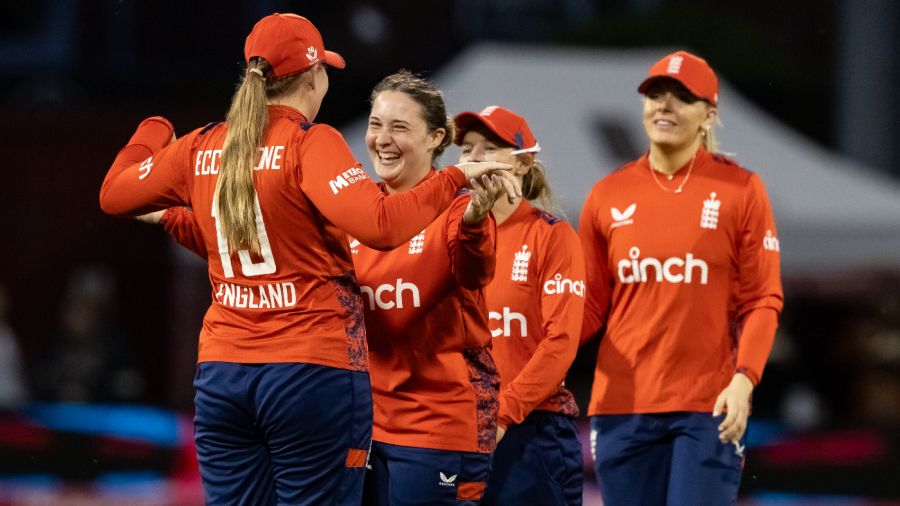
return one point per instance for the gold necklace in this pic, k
(683, 182)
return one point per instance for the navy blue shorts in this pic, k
(537, 462)
(281, 433)
(404, 476)
(667, 458)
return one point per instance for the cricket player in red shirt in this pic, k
(683, 277)
(434, 383)
(283, 403)
(535, 305)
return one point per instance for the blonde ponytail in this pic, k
(247, 120)
(235, 194)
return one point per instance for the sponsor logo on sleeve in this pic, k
(770, 242)
(347, 178)
(559, 285)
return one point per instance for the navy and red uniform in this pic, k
(687, 287)
(434, 383)
(284, 334)
(535, 308)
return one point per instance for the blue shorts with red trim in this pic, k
(285, 433)
(403, 475)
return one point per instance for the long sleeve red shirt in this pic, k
(298, 301)
(535, 305)
(686, 285)
(434, 383)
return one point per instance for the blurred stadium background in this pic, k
(99, 316)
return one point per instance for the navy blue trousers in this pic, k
(537, 462)
(673, 459)
(406, 476)
(284, 433)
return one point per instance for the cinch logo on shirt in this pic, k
(770, 242)
(507, 317)
(673, 270)
(622, 218)
(376, 296)
(558, 285)
(345, 179)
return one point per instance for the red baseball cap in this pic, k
(691, 71)
(504, 123)
(290, 43)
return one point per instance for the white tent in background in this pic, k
(834, 215)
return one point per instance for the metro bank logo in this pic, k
(345, 179)
(673, 270)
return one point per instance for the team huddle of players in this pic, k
(406, 342)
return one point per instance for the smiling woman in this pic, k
(686, 288)
(408, 129)
(434, 383)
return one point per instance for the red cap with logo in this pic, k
(290, 43)
(691, 71)
(504, 123)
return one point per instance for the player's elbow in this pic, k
(109, 205)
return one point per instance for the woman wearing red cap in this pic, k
(434, 383)
(283, 403)
(684, 285)
(535, 305)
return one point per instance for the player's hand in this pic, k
(485, 194)
(474, 170)
(151, 218)
(734, 400)
(500, 433)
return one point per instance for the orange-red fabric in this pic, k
(470, 490)
(690, 70)
(535, 305)
(426, 323)
(290, 43)
(505, 124)
(298, 301)
(758, 331)
(356, 458)
(181, 224)
(672, 277)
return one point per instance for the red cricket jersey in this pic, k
(535, 304)
(671, 276)
(434, 383)
(298, 300)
